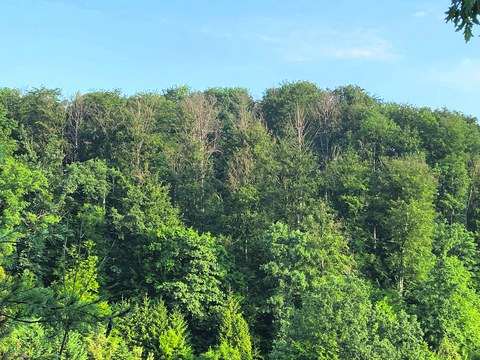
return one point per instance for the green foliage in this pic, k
(397, 335)
(222, 352)
(182, 267)
(105, 345)
(174, 342)
(454, 182)
(337, 321)
(282, 105)
(295, 261)
(455, 240)
(77, 305)
(41, 112)
(464, 15)
(449, 310)
(336, 220)
(17, 183)
(378, 135)
(336, 302)
(234, 332)
(143, 324)
(139, 211)
(149, 326)
(34, 341)
(409, 220)
(346, 181)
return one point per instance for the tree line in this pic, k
(311, 223)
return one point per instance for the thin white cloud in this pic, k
(368, 48)
(309, 42)
(464, 75)
(421, 14)
(215, 32)
(309, 45)
(432, 12)
(268, 39)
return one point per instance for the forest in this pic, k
(308, 224)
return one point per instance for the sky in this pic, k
(398, 51)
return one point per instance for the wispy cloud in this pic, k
(306, 41)
(465, 74)
(421, 14)
(215, 32)
(374, 48)
(432, 12)
(309, 45)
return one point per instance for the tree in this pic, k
(42, 114)
(181, 266)
(453, 188)
(104, 346)
(105, 116)
(76, 112)
(77, 304)
(400, 221)
(192, 163)
(284, 106)
(143, 324)
(449, 310)
(21, 190)
(150, 326)
(339, 321)
(250, 172)
(408, 221)
(234, 330)
(464, 15)
(327, 125)
(295, 261)
(174, 342)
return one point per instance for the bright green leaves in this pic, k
(409, 220)
(182, 267)
(234, 336)
(41, 112)
(174, 342)
(335, 217)
(296, 261)
(324, 335)
(454, 183)
(449, 310)
(346, 182)
(77, 305)
(144, 323)
(338, 321)
(234, 331)
(111, 347)
(151, 327)
(17, 182)
(86, 182)
(455, 240)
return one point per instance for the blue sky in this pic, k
(400, 51)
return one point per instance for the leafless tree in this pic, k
(328, 122)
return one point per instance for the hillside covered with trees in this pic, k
(310, 224)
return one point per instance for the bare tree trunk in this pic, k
(76, 115)
(327, 114)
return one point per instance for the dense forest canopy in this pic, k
(311, 223)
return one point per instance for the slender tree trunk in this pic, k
(64, 341)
